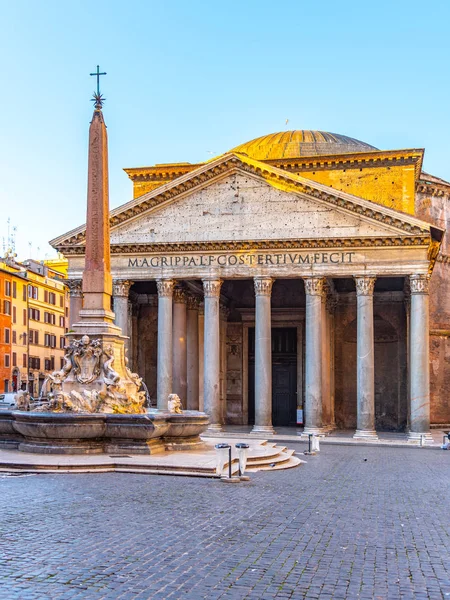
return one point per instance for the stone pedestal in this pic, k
(365, 368)
(211, 386)
(263, 356)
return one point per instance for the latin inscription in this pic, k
(233, 260)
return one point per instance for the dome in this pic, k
(301, 142)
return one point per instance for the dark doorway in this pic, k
(284, 376)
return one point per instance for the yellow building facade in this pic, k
(39, 322)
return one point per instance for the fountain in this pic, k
(94, 402)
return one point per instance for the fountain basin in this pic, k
(9, 437)
(86, 433)
(185, 429)
(60, 433)
(136, 434)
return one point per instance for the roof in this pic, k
(300, 142)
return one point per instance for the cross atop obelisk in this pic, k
(97, 74)
(97, 283)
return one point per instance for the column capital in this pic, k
(419, 284)
(179, 295)
(121, 287)
(192, 302)
(314, 286)
(75, 288)
(211, 287)
(263, 285)
(365, 285)
(165, 287)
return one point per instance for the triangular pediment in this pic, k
(237, 199)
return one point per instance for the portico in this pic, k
(265, 298)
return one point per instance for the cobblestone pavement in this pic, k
(338, 527)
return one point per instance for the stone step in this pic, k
(293, 461)
(263, 460)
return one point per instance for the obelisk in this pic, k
(97, 282)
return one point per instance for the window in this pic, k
(24, 360)
(14, 289)
(7, 288)
(52, 363)
(34, 362)
(24, 295)
(62, 342)
(47, 366)
(67, 311)
(61, 301)
(34, 314)
(7, 360)
(7, 336)
(24, 315)
(6, 307)
(52, 298)
(14, 337)
(14, 315)
(61, 321)
(50, 340)
(33, 292)
(49, 318)
(34, 336)
(14, 359)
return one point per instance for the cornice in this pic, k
(432, 188)
(236, 246)
(359, 160)
(161, 172)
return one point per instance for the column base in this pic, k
(420, 439)
(215, 428)
(265, 429)
(365, 434)
(322, 431)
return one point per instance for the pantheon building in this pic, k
(300, 279)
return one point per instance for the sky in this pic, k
(187, 79)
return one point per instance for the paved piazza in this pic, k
(338, 527)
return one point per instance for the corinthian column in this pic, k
(76, 300)
(179, 355)
(419, 364)
(192, 354)
(164, 360)
(121, 289)
(314, 289)
(211, 386)
(365, 368)
(263, 356)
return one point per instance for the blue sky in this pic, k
(186, 78)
